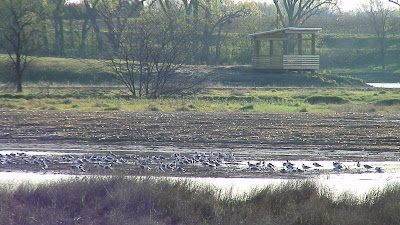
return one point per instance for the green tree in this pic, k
(20, 24)
(379, 17)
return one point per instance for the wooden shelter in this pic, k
(287, 58)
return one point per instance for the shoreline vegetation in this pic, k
(133, 200)
(212, 99)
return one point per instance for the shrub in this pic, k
(388, 102)
(325, 99)
(247, 108)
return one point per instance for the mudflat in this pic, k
(250, 136)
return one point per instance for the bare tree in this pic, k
(149, 55)
(58, 23)
(217, 14)
(19, 26)
(115, 15)
(90, 17)
(395, 2)
(293, 13)
(379, 17)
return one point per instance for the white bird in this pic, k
(145, 167)
(80, 167)
(254, 168)
(283, 171)
(316, 164)
(288, 164)
(305, 167)
(367, 166)
(378, 169)
(180, 169)
(337, 166)
(251, 164)
(231, 157)
(107, 167)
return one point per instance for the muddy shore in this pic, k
(250, 136)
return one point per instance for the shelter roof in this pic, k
(280, 33)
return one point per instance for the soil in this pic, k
(137, 137)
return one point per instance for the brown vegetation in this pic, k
(117, 200)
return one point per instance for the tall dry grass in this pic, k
(122, 200)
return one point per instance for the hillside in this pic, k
(78, 71)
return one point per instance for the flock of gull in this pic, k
(178, 163)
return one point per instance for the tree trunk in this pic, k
(18, 72)
(217, 60)
(45, 40)
(82, 49)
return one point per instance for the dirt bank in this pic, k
(369, 132)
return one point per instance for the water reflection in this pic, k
(384, 85)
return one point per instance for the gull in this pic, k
(288, 164)
(80, 167)
(107, 167)
(316, 164)
(283, 171)
(254, 168)
(211, 166)
(122, 160)
(367, 166)
(231, 157)
(378, 169)
(180, 169)
(337, 166)
(145, 167)
(305, 167)
(251, 164)
(159, 168)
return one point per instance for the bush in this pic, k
(325, 99)
(247, 108)
(388, 102)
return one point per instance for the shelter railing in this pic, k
(286, 62)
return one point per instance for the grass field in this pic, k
(265, 100)
(117, 200)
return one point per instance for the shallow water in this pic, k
(353, 179)
(384, 85)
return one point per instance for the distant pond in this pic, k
(384, 85)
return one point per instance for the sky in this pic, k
(349, 5)
(346, 5)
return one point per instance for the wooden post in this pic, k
(300, 44)
(285, 45)
(271, 47)
(257, 47)
(313, 44)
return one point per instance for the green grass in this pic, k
(132, 200)
(61, 70)
(266, 100)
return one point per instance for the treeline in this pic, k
(144, 43)
(217, 29)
